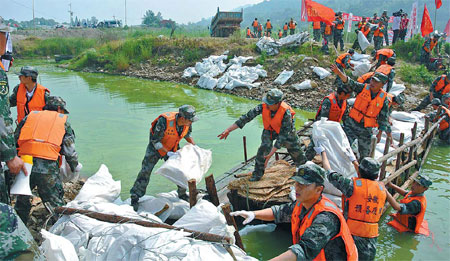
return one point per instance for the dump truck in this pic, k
(225, 23)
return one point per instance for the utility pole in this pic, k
(34, 21)
(125, 12)
(71, 14)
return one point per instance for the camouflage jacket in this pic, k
(7, 144)
(382, 119)
(44, 166)
(157, 132)
(13, 97)
(317, 236)
(287, 124)
(411, 208)
(15, 240)
(325, 109)
(433, 88)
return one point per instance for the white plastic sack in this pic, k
(150, 204)
(295, 39)
(361, 69)
(100, 187)
(57, 248)
(268, 45)
(362, 40)
(331, 136)
(179, 207)
(396, 89)
(321, 72)
(189, 72)
(66, 173)
(207, 82)
(358, 57)
(404, 116)
(191, 162)
(305, 85)
(240, 60)
(283, 77)
(202, 217)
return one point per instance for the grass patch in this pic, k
(416, 74)
(35, 47)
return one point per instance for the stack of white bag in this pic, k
(241, 76)
(190, 162)
(361, 64)
(97, 240)
(332, 138)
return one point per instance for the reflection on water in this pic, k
(111, 116)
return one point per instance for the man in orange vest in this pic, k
(370, 110)
(319, 230)
(8, 152)
(292, 26)
(285, 29)
(255, 26)
(381, 56)
(389, 70)
(360, 26)
(427, 48)
(166, 132)
(378, 36)
(280, 34)
(363, 201)
(444, 126)
(279, 126)
(249, 33)
(327, 31)
(268, 28)
(260, 30)
(316, 31)
(339, 24)
(343, 62)
(439, 87)
(28, 95)
(411, 209)
(46, 135)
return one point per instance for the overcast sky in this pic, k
(182, 11)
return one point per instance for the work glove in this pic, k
(170, 153)
(351, 156)
(248, 215)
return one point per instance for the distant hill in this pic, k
(280, 11)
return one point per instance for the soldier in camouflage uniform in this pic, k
(439, 83)
(7, 145)
(15, 240)
(156, 150)
(45, 172)
(338, 36)
(356, 130)
(324, 227)
(385, 20)
(444, 134)
(286, 137)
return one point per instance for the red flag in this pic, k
(303, 14)
(426, 27)
(447, 28)
(438, 3)
(319, 13)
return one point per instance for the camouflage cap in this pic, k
(423, 181)
(370, 166)
(29, 71)
(273, 96)
(436, 101)
(188, 112)
(53, 102)
(380, 77)
(309, 173)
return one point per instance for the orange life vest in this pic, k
(341, 58)
(340, 26)
(285, 27)
(280, 34)
(2, 67)
(36, 103)
(400, 222)
(42, 134)
(268, 25)
(365, 107)
(441, 85)
(249, 33)
(365, 78)
(298, 226)
(255, 23)
(384, 69)
(444, 123)
(291, 25)
(365, 207)
(360, 25)
(433, 43)
(366, 31)
(260, 27)
(316, 25)
(336, 112)
(379, 32)
(171, 137)
(274, 124)
(327, 29)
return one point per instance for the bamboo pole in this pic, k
(413, 148)
(400, 171)
(212, 191)
(231, 222)
(121, 220)
(192, 183)
(399, 156)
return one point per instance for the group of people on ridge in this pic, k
(260, 31)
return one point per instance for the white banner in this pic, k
(349, 22)
(412, 22)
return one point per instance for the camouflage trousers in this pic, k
(151, 157)
(423, 104)
(424, 57)
(50, 189)
(367, 248)
(354, 131)
(339, 38)
(386, 37)
(378, 42)
(4, 195)
(326, 40)
(292, 145)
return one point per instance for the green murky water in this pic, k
(111, 116)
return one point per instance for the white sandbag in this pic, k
(321, 72)
(362, 40)
(153, 205)
(305, 85)
(238, 83)
(358, 57)
(180, 207)
(266, 228)
(404, 116)
(268, 45)
(331, 136)
(239, 60)
(100, 187)
(361, 69)
(207, 82)
(57, 248)
(191, 162)
(202, 217)
(295, 39)
(283, 77)
(66, 173)
(189, 72)
(396, 89)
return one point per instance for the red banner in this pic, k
(438, 3)
(318, 13)
(427, 26)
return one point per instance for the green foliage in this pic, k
(32, 46)
(415, 74)
(410, 50)
(447, 48)
(262, 58)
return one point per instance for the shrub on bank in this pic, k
(410, 50)
(35, 47)
(416, 74)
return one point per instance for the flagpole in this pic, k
(435, 12)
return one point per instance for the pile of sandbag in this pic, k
(272, 47)
(361, 64)
(241, 76)
(77, 236)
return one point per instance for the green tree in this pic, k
(150, 19)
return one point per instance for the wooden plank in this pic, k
(212, 191)
(383, 165)
(400, 171)
(192, 183)
(399, 156)
(231, 222)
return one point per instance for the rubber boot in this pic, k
(135, 202)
